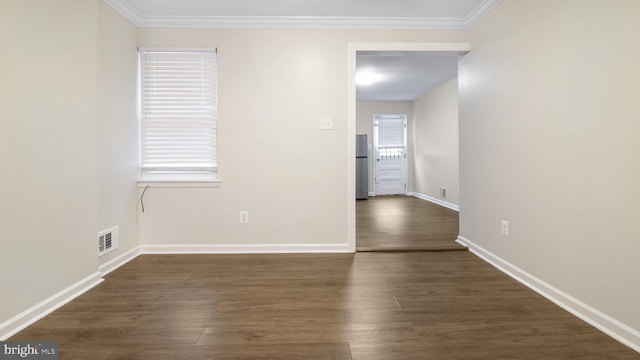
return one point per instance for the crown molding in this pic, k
(304, 22)
(480, 12)
(301, 22)
(125, 10)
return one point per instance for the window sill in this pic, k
(169, 182)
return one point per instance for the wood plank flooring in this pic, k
(405, 223)
(363, 306)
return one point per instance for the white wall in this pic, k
(274, 85)
(435, 143)
(549, 129)
(364, 125)
(117, 128)
(48, 186)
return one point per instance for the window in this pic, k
(179, 115)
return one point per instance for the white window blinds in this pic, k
(178, 112)
(391, 131)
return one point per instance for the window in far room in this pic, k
(178, 115)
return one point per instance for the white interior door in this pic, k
(390, 153)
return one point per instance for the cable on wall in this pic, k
(142, 197)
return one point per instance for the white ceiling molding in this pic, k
(126, 10)
(308, 22)
(480, 12)
(305, 21)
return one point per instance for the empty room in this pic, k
(179, 182)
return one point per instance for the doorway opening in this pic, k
(374, 51)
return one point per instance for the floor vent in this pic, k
(107, 241)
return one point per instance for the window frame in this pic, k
(179, 176)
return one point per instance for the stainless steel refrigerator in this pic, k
(362, 168)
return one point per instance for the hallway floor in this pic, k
(405, 223)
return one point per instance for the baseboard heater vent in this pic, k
(107, 241)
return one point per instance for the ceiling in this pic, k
(380, 14)
(404, 75)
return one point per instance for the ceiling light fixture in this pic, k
(368, 78)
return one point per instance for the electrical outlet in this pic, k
(244, 217)
(505, 228)
(443, 192)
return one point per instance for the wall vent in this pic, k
(107, 241)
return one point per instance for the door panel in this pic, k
(389, 135)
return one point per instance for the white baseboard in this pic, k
(603, 322)
(462, 242)
(371, 193)
(115, 263)
(44, 308)
(440, 202)
(245, 249)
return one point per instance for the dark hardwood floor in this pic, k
(366, 306)
(405, 223)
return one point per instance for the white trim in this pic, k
(314, 22)
(122, 259)
(47, 306)
(351, 146)
(603, 322)
(480, 12)
(244, 249)
(303, 22)
(352, 50)
(371, 193)
(436, 201)
(179, 184)
(125, 10)
(176, 49)
(461, 47)
(461, 242)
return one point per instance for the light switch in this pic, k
(326, 123)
